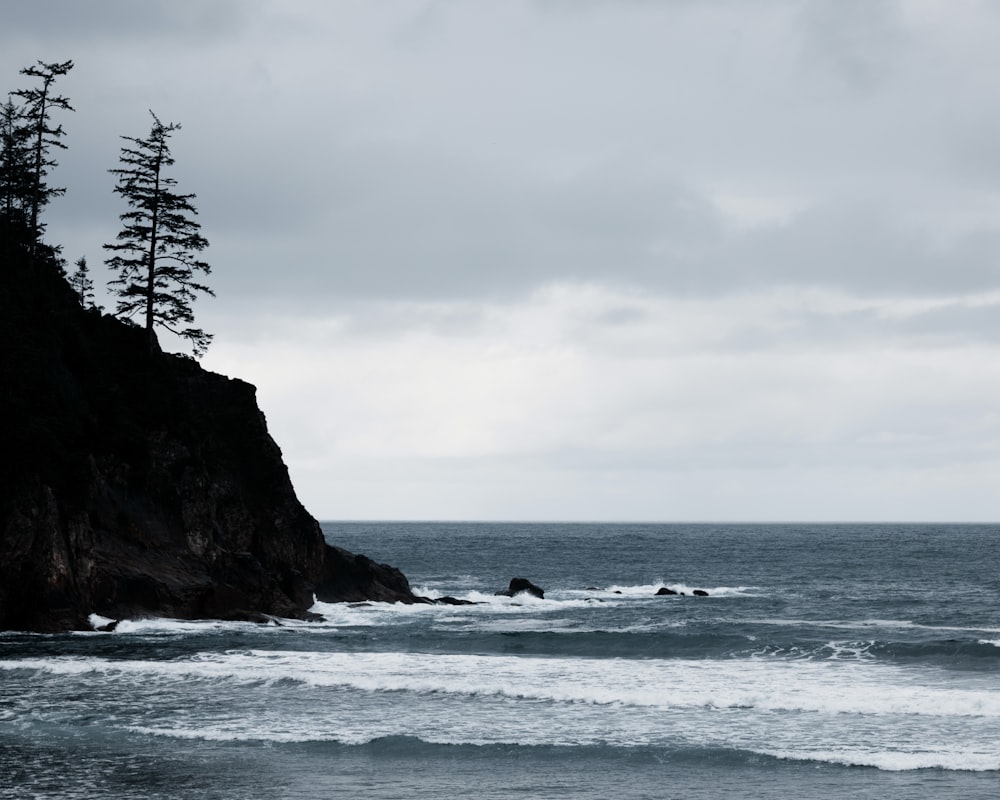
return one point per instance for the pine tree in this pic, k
(39, 103)
(82, 284)
(156, 251)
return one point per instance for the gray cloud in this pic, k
(410, 155)
(856, 40)
(951, 325)
(69, 22)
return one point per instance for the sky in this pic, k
(575, 259)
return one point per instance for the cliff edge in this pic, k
(136, 483)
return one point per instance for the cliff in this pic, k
(136, 483)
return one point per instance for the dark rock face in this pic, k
(137, 483)
(664, 591)
(518, 585)
(347, 577)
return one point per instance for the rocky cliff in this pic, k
(136, 483)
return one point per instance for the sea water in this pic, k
(826, 661)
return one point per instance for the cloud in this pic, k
(66, 22)
(345, 151)
(857, 41)
(596, 389)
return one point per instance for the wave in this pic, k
(573, 596)
(874, 624)
(955, 759)
(588, 627)
(489, 610)
(500, 606)
(650, 590)
(854, 712)
(952, 759)
(952, 654)
(828, 687)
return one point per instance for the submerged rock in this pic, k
(519, 585)
(663, 591)
(448, 600)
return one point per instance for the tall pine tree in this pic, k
(156, 250)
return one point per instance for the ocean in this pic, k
(826, 661)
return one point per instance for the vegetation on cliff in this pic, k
(156, 253)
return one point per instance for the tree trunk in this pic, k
(37, 194)
(151, 273)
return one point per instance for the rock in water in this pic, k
(448, 600)
(136, 483)
(664, 591)
(518, 585)
(347, 577)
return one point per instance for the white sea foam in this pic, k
(845, 712)
(365, 614)
(169, 626)
(347, 615)
(614, 591)
(249, 733)
(372, 614)
(850, 650)
(650, 590)
(894, 760)
(827, 687)
(165, 626)
(96, 621)
(881, 624)
(941, 757)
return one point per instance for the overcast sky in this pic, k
(575, 259)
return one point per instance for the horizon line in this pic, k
(653, 522)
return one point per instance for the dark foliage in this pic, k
(82, 284)
(156, 253)
(42, 135)
(15, 175)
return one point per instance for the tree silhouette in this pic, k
(156, 251)
(82, 284)
(15, 171)
(39, 103)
